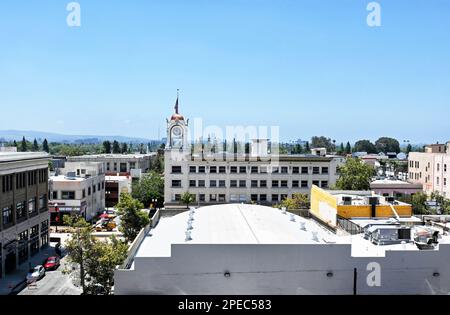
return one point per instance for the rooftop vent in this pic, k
(347, 200)
(314, 236)
(283, 210)
(189, 225)
(292, 217)
(71, 176)
(188, 236)
(303, 226)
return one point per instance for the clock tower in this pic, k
(177, 131)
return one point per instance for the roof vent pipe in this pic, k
(189, 225)
(292, 217)
(314, 236)
(303, 226)
(283, 210)
(188, 236)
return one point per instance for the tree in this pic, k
(419, 203)
(23, 145)
(105, 256)
(386, 144)
(298, 201)
(107, 146)
(124, 148)
(341, 148)
(132, 218)
(187, 198)
(355, 175)
(150, 187)
(322, 142)
(79, 246)
(307, 148)
(408, 148)
(348, 148)
(365, 146)
(45, 146)
(35, 146)
(116, 147)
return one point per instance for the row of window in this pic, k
(122, 166)
(70, 194)
(415, 164)
(235, 198)
(253, 183)
(33, 177)
(253, 169)
(21, 209)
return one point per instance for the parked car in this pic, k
(51, 263)
(36, 273)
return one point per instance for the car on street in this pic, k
(52, 263)
(36, 273)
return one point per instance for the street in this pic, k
(54, 283)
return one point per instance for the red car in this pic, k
(51, 263)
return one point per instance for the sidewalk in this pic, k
(18, 276)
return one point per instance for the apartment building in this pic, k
(24, 221)
(431, 168)
(120, 164)
(257, 177)
(78, 189)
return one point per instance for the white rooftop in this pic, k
(17, 156)
(231, 224)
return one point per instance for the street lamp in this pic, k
(57, 216)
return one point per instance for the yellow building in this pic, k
(326, 205)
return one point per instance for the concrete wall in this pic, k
(284, 269)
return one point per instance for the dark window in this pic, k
(242, 183)
(275, 170)
(275, 198)
(254, 169)
(324, 184)
(221, 198)
(284, 169)
(7, 215)
(192, 183)
(222, 169)
(254, 183)
(176, 169)
(295, 183)
(304, 170)
(221, 183)
(304, 183)
(324, 170)
(20, 210)
(263, 197)
(233, 183)
(201, 169)
(262, 183)
(201, 197)
(192, 169)
(284, 183)
(43, 202)
(295, 170)
(213, 169)
(233, 169)
(242, 169)
(89, 191)
(254, 197)
(316, 170)
(67, 195)
(274, 183)
(176, 183)
(212, 183)
(177, 197)
(316, 182)
(201, 183)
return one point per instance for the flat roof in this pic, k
(232, 224)
(63, 178)
(111, 156)
(18, 156)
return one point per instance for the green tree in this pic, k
(341, 149)
(116, 147)
(298, 201)
(107, 146)
(45, 146)
(104, 258)
(23, 145)
(419, 203)
(408, 148)
(323, 142)
(386, 144)
(348, 148)
(365, 146)
(149, 188)
(187, 198)
(79, 246)
(124, 148)
(307, 148)
(132, 218)
(35, 147)
(355, 175)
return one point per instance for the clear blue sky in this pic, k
(311, 67)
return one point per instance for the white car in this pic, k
(35, 274)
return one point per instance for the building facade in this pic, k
(24, 221)
(431, 169)
(257, 177)
(78, 189)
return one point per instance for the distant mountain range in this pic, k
(30, 135)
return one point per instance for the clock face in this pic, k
(176, 131)
(177, 136)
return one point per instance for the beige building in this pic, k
(258, 176)
(24, 220)
(431, 168)
(79, 188)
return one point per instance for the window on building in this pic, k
(42, 202)
(222, 198)
(192, 183)
(176, 183)
(445, 181)
(201, 169)
(296, 170)
(243, 183)
(132, 165)
(304, 170)
(324, 184)
(108, 166)
(254, 197)
(324, 170)
(283, 196)
(55, 195)
(89, 191)
(316, 170)
(201, 197)
(242, 169)
(284, 169)
(262, 183)
(274, 183)
(316, 182)
(263, 170)
(304, 184)
(83, 193)
(212, 183)
(295, 183)
(233, 169)
(437, 180)
(67, 195)
(233, 183)
(437, 167)
(284, 183)
(192, 169)
(7, 215)
(213, 197)
(221, 183)
(275, 170)
(32, 205)
(177, 197)
(445, 167)
(262, 197)
(254, 169)
(7, 182)
(201, 183)
(275, 198)
(176, 169)
(115, 166)
(222, 169)
(93, 189)
(213, 169)
(123, 167)
(20, 210)
(254, 183)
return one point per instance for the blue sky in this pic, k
(311, 67)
